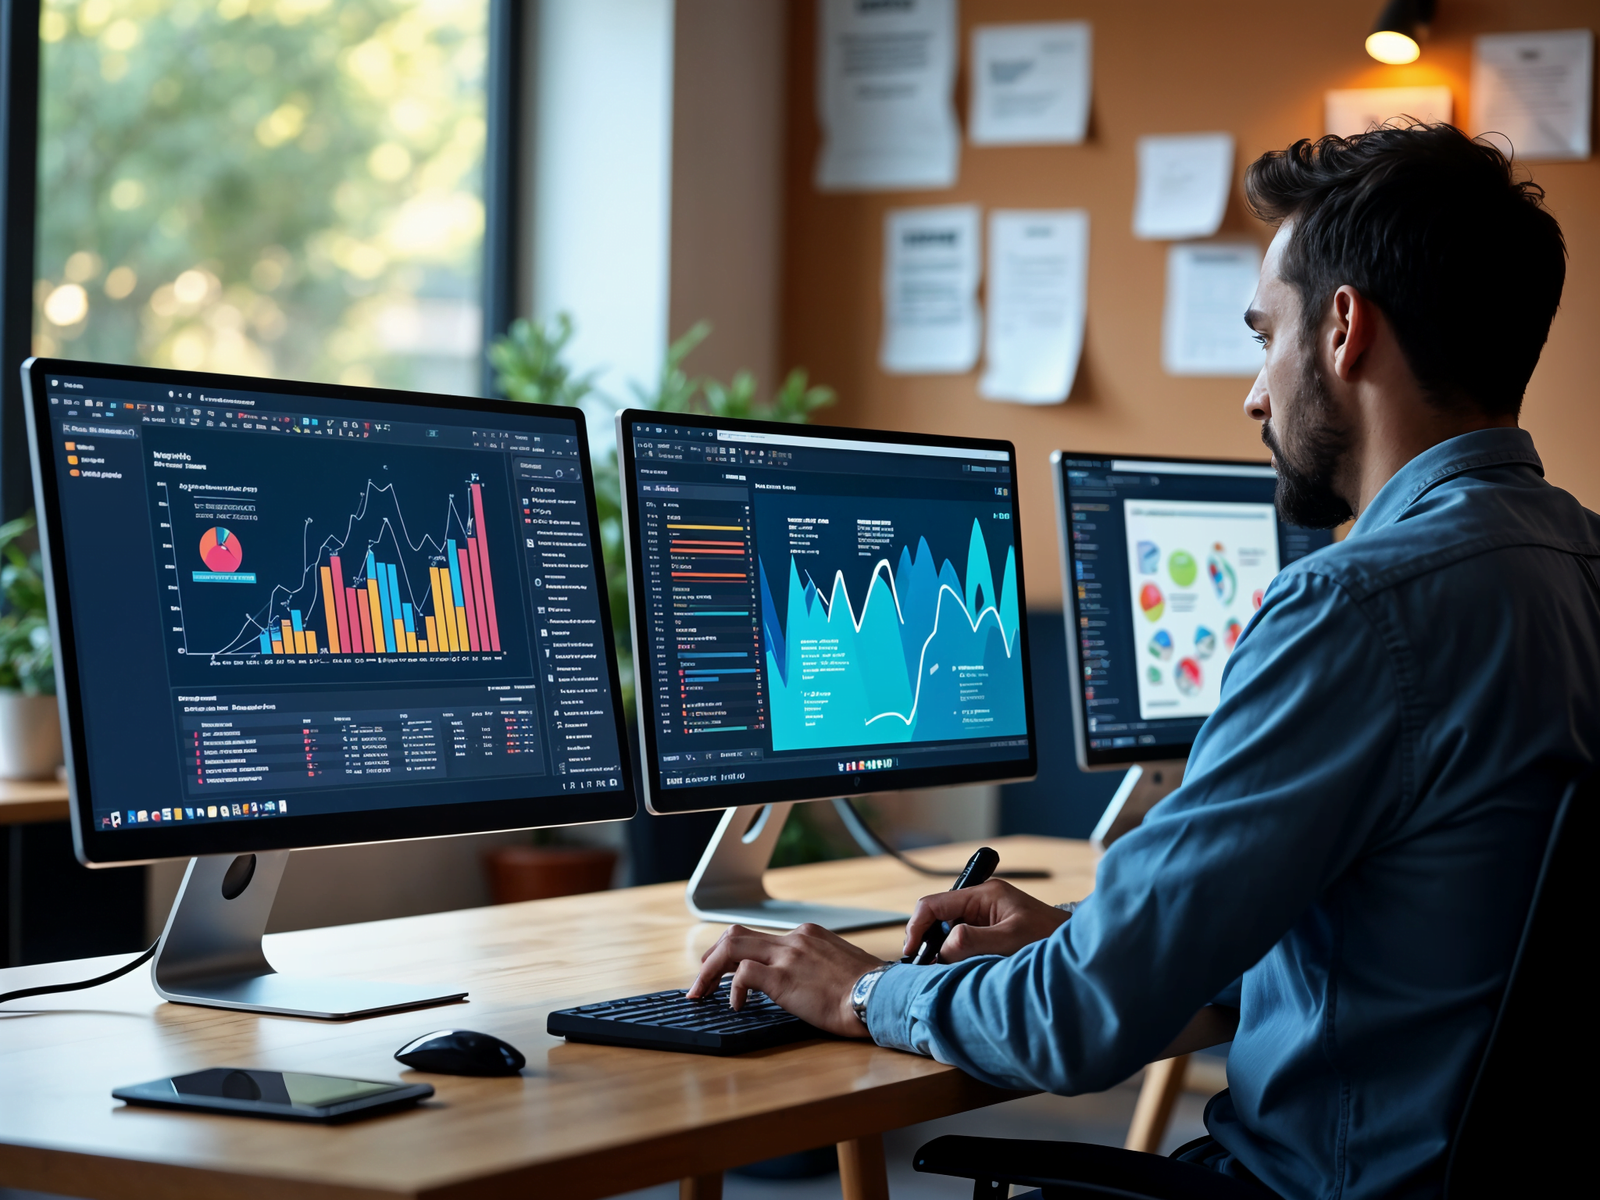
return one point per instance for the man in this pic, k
(1350, 858)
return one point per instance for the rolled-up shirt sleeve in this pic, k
(1285, 782)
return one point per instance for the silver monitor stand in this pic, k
(727, 886)
(1142, 788)
(210, 952)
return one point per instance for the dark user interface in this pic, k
(1167, 563)
(288, 605)
(815, 607)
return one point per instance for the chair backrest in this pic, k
(1519, 1133)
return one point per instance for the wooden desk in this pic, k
(27, 803)
(582, 1121)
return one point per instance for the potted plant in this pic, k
(530, 366)
(30, 725)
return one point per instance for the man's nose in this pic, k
(1257, 405)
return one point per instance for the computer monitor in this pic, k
(292, 615)
(1164, 562)
(817, 612)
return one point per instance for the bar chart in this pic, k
(378, 611)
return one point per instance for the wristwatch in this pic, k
(862, 992)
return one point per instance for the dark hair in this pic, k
(1432, 227)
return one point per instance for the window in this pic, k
(289, 188)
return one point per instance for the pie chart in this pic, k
(220, 549)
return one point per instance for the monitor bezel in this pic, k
(125, 846)
(702, 799)
(1127, 756)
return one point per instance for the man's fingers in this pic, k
(752, 976)
(968, 941)
(732, 948)
(970, 906)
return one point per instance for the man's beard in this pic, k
(1309, 456)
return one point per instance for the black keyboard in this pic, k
(672, 1021)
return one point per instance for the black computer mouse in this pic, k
(461, 1052)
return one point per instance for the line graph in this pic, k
(930, 656)
(371, 589)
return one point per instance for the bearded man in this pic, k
(1350, 858)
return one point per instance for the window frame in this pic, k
(505, 83)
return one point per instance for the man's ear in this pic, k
(1353, 332)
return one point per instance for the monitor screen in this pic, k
(294, 615)
(818, 612)
(1165, 562)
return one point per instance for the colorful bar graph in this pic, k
(372, 613)
(483, 555)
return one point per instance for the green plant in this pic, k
(27, 663)
(530, 365)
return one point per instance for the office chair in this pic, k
(1519, 1130)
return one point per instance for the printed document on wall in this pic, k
(1209, 288)
(1536, 90)
(1183, 185)
(1030, 84)
(1197, 572)
(885, 74)
(1038, 280)
(1349, 111)
(931, 266)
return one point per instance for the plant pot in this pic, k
(30, 736)
(538, 872)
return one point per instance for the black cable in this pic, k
(24, 993)
(869, 840)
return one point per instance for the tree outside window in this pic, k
(288, 188)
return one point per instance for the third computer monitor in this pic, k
(1165, 562)
(820, 612)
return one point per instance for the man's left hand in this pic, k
(808, 971)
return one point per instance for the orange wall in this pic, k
(1160, 66)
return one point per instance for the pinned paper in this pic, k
(1209, 289)
(931, 267)
(1183, 185)
(1038, 279)
(1535, 89)
(1350, 111)
(886, 72)
(1030, 84)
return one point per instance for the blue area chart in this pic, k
(929, 656)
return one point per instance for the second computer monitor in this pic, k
(821, 612)
(1165, 562)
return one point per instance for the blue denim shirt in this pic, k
(1351, 855)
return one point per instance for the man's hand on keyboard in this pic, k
(809, 971)
(992, 918)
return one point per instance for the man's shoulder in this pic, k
(1456, 523)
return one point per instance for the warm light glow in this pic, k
(1393, 48)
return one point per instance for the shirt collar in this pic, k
(1481, 448)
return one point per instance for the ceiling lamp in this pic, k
(1393, 38)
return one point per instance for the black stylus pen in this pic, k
(978, 869)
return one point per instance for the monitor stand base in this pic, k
(1145, 785)
(727, 886)
(210, 951)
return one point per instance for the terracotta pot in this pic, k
(537, 872)
(30, 736)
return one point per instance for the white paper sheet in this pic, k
(1209, 288)
(1535, 89)
(1030, 84)
(884, 79)
(1038, 280)
(1197, 571)
(1183, 185)
(931, 266)
(1349, 111)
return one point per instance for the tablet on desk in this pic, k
(282, 1095)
